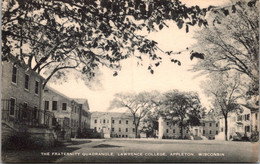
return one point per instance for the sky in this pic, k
(133, 78)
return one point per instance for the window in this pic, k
(113, 129)
(119, 129)
(167, 123)
(239, 118)
(167, 130)
(222, 129)
(247, 128)
(14, 74)
(46, 105)
(210, 132)
(126, 129)
(126, 136)
(113, 121)
(64, 106)
(203, 124)
(12, 106)
(126, 121)
(248, 117)
(104, 121)
(123, 136)
(216, 132)
(24, 112)
(203, 132)
(216, 124)
(35, 112)
(133, 129)
(36, 87)
(119, 121)
(54, 105)
(26, 81)
(173, 130)
(209, 124)
(95, 128)
(95, 121)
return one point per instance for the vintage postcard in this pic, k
(129, 81)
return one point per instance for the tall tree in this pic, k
(226, 92)
(138, 104)
(53, 36)
(231, 43)
(149, 124)
(183, 108)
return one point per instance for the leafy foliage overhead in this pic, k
(52, 36)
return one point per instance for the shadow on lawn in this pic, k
(79, 142)
(40, 155)
(105, 146)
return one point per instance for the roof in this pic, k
(81, 100)
(112, 114)
(22, 64)
(253, 108)
(56, 91)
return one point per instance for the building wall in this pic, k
(51, 95)
(210, 129)
(110, 125)
(255, 121)
(237, 122)
(169, 130)
(17, 90)
(124, 129)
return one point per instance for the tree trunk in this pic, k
(226, 128)
(181, 125)
(136, 131)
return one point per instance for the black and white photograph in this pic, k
(136, 81)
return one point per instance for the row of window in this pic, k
(245, 117)
(26, 80)
(54, 106)
(119, 129)
(24, 112)
(107, 121)
(210, 132)
(167, 131)
(210, 124)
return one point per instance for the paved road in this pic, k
(141, 150)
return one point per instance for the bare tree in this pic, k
(226, 92)
(138, 104)
(231, 42)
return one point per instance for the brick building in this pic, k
(85, 114)
(21, 101)
(111, 124)
(71, 114)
